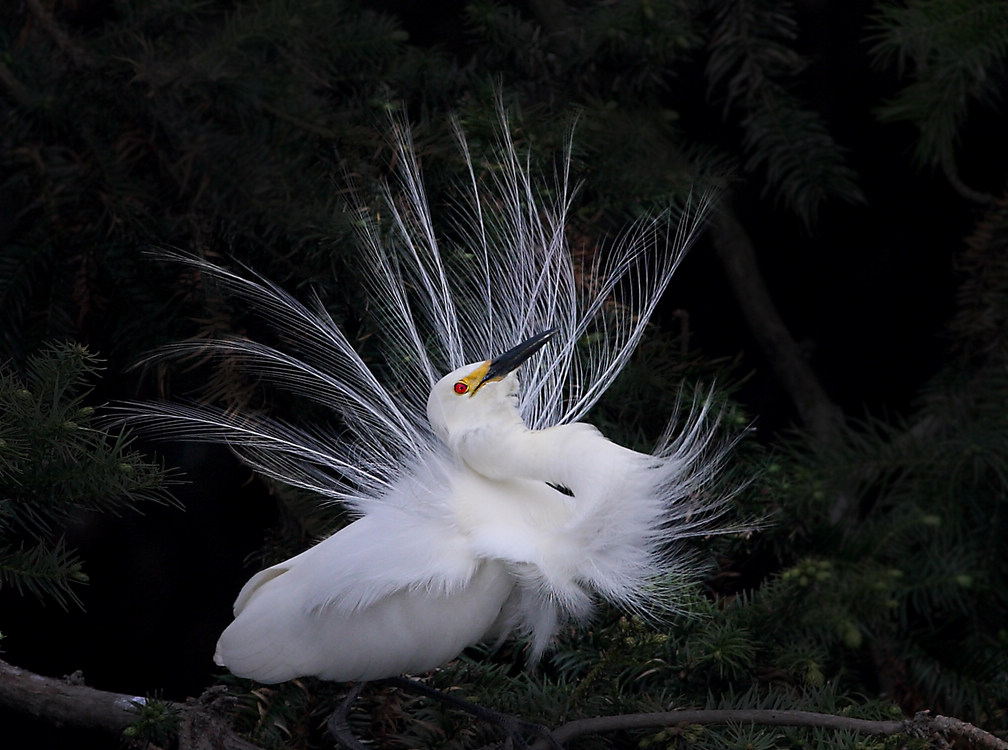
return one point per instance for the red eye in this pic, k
(461, 388)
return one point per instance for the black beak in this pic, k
(510, 360)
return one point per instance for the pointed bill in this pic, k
(510, 360)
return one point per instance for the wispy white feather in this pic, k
(436, 308)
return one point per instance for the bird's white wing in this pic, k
(389, 593)
(616, 530)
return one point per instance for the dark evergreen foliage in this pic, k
(751, 64)
(954, 53)
(235, 129)
(57, 462)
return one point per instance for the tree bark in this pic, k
(66, 702)
(737, 256)
(62, 702)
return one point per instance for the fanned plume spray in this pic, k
(438, 308)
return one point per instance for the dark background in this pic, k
(867, 291)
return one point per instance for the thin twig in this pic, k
(921, 725)
(964, 190)
(513, 726)
(69, 47)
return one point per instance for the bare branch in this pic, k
(67, 703)
(964, 190)
(64, 702)
(202, 727)
(959, 728)
(923, 725)
(738, 259)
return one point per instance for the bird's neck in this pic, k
(483, 446)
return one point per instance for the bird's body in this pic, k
(446, 559)
(483, 507)
(329, 612)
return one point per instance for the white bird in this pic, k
(483, 506)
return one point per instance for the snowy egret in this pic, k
(483, 506)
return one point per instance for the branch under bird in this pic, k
(483, 505)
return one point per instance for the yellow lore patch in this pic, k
(471, 382)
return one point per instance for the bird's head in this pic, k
(481, 393)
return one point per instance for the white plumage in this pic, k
(484, 506)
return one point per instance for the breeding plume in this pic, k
(483, 504)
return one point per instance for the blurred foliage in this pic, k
(232, 128)
(752, 66)
(57, 462)
(954, 54)
(156, 724)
